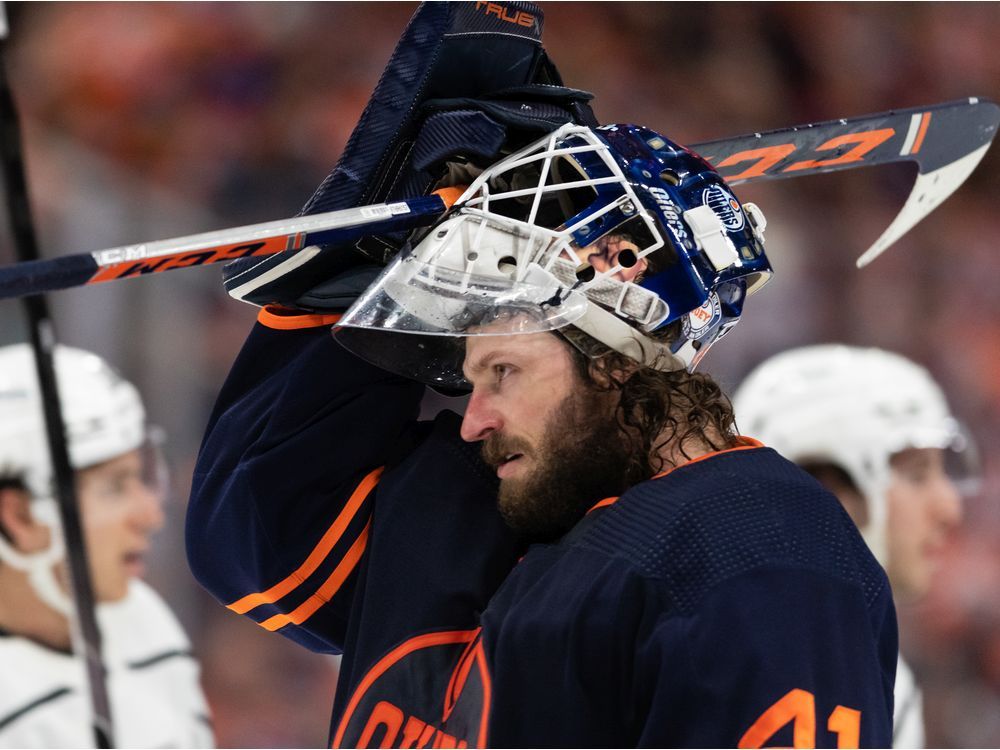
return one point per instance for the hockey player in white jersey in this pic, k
(153, 679)
(876, 430)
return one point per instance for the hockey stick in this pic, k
(86, 635)
(291, 235)
(946, 141)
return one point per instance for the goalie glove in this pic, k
(464, 86)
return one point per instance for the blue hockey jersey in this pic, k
(728, 602)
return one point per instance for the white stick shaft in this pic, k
(283, 228)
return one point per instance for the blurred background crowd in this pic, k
(145, 121)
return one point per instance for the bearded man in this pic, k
(591, 556)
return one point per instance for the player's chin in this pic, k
(917, 580)
(930, 567)
(514, 496)
(114, 587)
(134, 565)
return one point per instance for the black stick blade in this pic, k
(946, 141)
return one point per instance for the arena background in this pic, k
(145, 121)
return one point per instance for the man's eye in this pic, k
(502, 371)
(115, 487)
(917, 474)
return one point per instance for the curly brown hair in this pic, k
(658, 412)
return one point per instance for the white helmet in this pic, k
(852, 407)
(104, 419)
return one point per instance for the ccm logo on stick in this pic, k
(126, 268)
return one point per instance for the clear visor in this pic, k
(432, 360)
(436, 361)
(414, 318)
(959, 454)
(152, 470)
(962, 463)
(155, 472)
(457, 287)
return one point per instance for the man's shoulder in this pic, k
(141, 629)
(753, 484)
(729, 514)
(34, 681)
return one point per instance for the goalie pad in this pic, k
(466, 84)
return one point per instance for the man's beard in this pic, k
(582, 458)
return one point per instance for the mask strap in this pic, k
(623, 338)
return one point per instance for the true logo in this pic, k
(521, 17)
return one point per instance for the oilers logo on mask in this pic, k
(726, 207)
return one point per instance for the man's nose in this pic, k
(948, 503)
(481, 419)
(147, 509)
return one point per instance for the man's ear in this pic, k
(19, 525)
(606, 374)
(624, 372)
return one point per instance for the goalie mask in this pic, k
(104, 419)
(614, 230)
(854, 408)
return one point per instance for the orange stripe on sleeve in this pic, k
(319, 553)
(272, 318)
(325, 592)
(924, 122)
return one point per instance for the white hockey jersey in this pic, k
(153, 683)
(908, 716)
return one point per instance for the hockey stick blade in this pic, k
(330, 228)
(946, 141)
